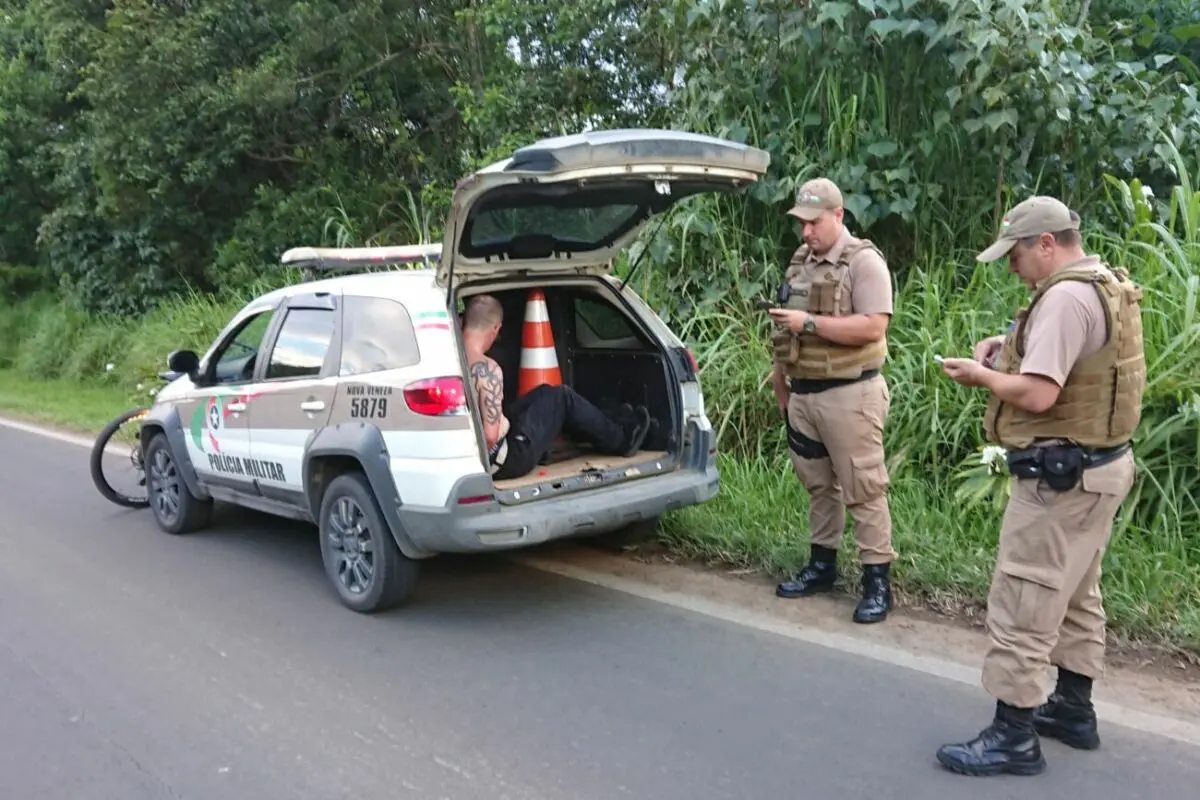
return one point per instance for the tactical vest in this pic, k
(823, 291)
(1100, 404)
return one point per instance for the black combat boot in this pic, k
(1068, 715)
(877, 594)
(1009, 745)
(818, 576)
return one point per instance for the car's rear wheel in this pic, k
(362, 561)
(175, 508)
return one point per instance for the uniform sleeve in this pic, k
(1054, 340)
(872, 284)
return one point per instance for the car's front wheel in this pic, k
(367, 569)
(175, 508)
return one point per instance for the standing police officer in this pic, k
(1066, 393)
(830, 343)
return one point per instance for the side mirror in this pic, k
(184, 362)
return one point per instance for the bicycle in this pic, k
(102, 445)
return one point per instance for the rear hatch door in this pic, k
(569, 205)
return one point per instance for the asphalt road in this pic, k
(137, 665)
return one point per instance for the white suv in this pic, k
(343, 401)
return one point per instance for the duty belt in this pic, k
(1061, 465)
(814, 385)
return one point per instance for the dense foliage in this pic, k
(152, 147)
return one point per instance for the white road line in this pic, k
(1179, 730)
(37, 430)
(60, 436)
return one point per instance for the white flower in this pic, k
(991, 454)
(108, 367)
(153, 392)
(140, 387)
(1191, 408)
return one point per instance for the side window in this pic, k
(235, 363)
(377, 334)
(303, 342)
(598, 324)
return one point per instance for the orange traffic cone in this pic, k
(539, 361)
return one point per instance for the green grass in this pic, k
(82, 408)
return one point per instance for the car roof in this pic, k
(388, 283)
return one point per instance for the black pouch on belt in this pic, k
(1060, 466)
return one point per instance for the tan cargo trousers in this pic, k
(849, 421)
(1044, 606)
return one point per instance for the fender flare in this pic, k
(364, 443)
(171, 426)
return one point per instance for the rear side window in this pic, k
(377, 334)
(599, 324)
(303, 343)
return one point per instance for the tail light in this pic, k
(437, 397)
(689, 368)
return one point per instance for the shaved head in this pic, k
(483, 311)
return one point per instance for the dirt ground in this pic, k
(1139, 677)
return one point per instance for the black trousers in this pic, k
(538, 418)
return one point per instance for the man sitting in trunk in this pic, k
(540, 416)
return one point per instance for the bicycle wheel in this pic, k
(128, 446)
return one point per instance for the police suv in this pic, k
(343, 402)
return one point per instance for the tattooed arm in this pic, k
(489, 384)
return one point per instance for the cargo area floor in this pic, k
(574, 466)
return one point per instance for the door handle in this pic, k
(236, 407)
(312, 406)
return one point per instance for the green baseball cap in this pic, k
(815, 198)
(1031, 217)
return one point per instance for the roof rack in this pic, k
(349, 259)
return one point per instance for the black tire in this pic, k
(350, 517)
(175, 508)
(97, 463)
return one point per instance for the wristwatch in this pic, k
(810, 325)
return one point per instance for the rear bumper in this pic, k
(586, 513)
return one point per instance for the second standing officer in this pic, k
(1065, 400)
(830, 343)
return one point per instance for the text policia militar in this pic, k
(249, 467)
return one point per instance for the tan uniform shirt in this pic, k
(1066, 324)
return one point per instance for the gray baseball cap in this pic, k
(816, 197)
(1031, 217)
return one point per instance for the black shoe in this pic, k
(1009, 745)
(1074, 726)
(621, 414)
(877, 594)
(1068, 715)
(636, 428)
(818, 576)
